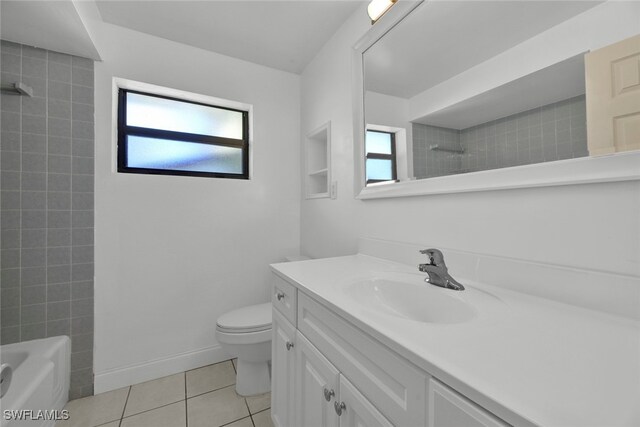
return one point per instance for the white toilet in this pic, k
(245, 333)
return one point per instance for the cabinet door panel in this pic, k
(447, 408)
(282, 368)
(314, 374)
(386, 379)
(358, 411)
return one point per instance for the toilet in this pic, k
(245, 333)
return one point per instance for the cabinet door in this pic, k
(317, 383)
(447, 408)
(282, 371)
(357, 411)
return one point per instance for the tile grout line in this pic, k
(235, 421)
(125, 403)
(210, 391)
(212, 364)
(20, 219)
(149, 410)
(46, 214)
(250, 414)
(186, 411)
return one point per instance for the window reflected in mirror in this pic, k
(380, 153)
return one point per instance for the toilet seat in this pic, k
(251, 319)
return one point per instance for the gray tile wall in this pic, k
(46, 204)
(553, 132)
(429, 163)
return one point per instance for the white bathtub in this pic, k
(40, 382)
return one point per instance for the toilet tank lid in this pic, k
(247, 318)
(292, 258)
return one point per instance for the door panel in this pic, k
(358, 411)
(314, 375)
(613, 97)
(282, 363)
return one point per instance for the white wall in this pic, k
(594, 226)
(599, 26)
(174, 253)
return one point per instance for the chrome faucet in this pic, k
(438, 273)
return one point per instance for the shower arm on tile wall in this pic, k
(436, 147)
(17, 88)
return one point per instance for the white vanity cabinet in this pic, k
(448, 408)
(325, 398)
(282, 370)
(317, 387)
(328, 373)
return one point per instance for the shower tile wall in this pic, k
(553, 132)
(46, 203)
(430, 163)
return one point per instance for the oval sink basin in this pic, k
(411, 298)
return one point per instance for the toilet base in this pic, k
(253, 378)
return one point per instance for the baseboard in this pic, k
(134, 374)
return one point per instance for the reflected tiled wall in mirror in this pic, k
(553, 132)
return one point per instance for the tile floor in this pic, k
(204, 397)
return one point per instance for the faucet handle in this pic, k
(435, 256)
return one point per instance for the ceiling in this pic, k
(54, 25)
(441, 39)
(285, 35)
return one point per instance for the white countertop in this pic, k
(527, 359)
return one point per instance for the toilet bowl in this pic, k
(245, 333)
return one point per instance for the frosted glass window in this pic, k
(158, 135)
(378, 142)
(150, 153)
(380, 153)
(379, 170)
(178, 116)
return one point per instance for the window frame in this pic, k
(123, 131)
(381, 156)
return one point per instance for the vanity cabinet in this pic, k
(325, 398)
(282, 369)
(326, 372)
(317, 386)
(448, 408)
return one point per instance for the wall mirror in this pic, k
(479, 95)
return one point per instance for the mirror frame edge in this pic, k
(620, 166)
(384, 24)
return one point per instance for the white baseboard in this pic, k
(134, 374)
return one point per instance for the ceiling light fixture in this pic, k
(377, 8)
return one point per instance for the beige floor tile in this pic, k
(216, 408)
(111, 424)
(156, 393)
(245, 422)
(174, 415)
(263, 419)
(95, 410)
(259, 403)
(210, 378)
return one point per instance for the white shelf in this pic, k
(317, 164)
